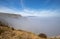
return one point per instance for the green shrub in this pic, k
(42, 35)
(3, 24)
(1, 31)
(12, 28)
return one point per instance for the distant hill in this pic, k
(10, 15)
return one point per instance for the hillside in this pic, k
(7, 32)
(11, 33)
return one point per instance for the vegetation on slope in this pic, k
(11, 33)
(7, 32)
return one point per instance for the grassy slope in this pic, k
(10, 33)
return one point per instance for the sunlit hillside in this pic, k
(7, 32)
(11, 33)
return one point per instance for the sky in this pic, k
(31, 7)
(47, 12)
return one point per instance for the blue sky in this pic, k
(31, 7)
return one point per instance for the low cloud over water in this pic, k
(48, 25)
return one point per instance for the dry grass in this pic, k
(11, 33)
(8, 33)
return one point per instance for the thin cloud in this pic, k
(7, 10)
(27, 12)
(22, 4)
(40, 13)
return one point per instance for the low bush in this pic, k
(42, 35)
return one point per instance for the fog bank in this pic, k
(47, 25)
